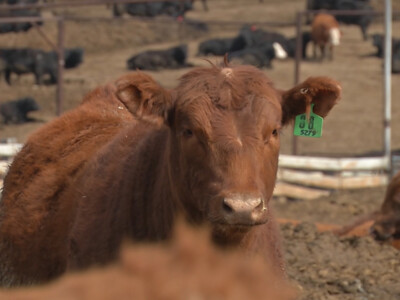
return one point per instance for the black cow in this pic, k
(218, 46)
(194, 24)
(172, 58)
(26, 60)
(73, 57)
(22, 26)
(396, 58)
(258, 56)
(15, 111)
(11, 2)
(153, 9)
(361, 20)
(252, 37)
(291, 44)
(38, 62)
(6, 27)
(378, 42)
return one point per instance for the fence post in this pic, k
(387, 82)
(60, 68)
(298, 57)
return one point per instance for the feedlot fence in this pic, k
(304, 177)
(59, 45)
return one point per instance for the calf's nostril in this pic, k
(226, 207)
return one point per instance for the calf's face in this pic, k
(224, 145)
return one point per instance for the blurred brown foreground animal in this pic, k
(207, 150)
(189, 267)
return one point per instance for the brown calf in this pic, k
(214, 159)
(325, 32)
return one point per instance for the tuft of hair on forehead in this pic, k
(228, 87)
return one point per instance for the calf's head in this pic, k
(224, 140)
(223, 145)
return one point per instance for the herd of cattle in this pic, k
(252, 46)
(152, 9)
(38, 62)
(363, 20)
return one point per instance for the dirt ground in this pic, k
(325, 267)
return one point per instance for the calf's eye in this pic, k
(187, 133)
(274, 134)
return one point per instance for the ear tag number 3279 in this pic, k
(311, 128)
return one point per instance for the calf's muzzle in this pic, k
(240, 209)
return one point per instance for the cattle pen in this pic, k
(331, 182)
(293, 177)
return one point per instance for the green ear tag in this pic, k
(313, 128)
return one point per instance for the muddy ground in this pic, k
(324, 266)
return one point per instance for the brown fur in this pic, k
(320, 28)
(219, 144)
(42, 171)
(187, 268)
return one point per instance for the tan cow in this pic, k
(325, 32)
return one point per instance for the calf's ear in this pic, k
(143, 96)
(323, 92)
